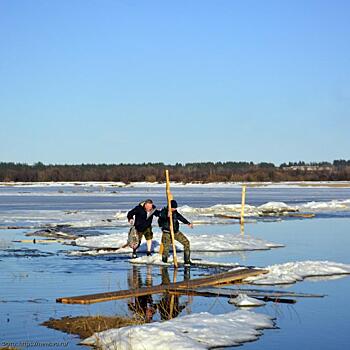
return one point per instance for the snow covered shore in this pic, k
(196, 331)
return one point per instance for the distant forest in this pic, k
(338, 170)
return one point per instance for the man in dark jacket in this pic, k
(141, 217)
(164, 224)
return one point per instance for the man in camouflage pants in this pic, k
(164, 224)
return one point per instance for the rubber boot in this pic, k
(187, 257)
(164, 259)
(187, 273)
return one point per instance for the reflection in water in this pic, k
(169, 305)
(142, 306)
(145, 307)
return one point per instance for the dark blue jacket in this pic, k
(164, 222)
(140, 214)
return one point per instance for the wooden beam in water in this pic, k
(220, 278)
(201, 293)
(255, 293)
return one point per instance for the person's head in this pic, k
(148, 205)
(173, 205)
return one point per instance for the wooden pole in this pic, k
(243, 204)
(170, 213)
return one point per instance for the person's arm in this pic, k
(183, 219)
(131, 214)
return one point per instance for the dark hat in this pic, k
(173, 203)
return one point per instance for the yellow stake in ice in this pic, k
(170, 214)
(243, 204)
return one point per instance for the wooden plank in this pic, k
(201, 293)
(220, 278)
(301, 215)
(229, 292)
(194, 263)
(39, 241)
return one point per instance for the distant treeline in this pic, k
(338, 170)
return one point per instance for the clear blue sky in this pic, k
(174, 81)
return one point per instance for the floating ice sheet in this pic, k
(197, 331)
(243, 300)
(199, 242)
(292, 272)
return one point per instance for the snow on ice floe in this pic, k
(267, 209)
(243, 300)
(73, 218)
(216, 214)
(196, 331)
(292, 272)
(199, 243)
(331, 205)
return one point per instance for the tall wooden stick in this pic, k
(169, 198)
(243, 204)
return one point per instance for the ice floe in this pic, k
(292, 272)
(73, 218)
(243, 300)
(267, 209)
(331, 205)
(199, 243)
(196, 331)
(216, 214)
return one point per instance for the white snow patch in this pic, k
(74, 218)
(331, 205)
(234, 210)
(243, 300)
(292, 272)
(196, 331)
(267, 209)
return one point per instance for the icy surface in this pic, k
(73, 218)
(156, 259)
(267, 209)
(196, 331)
(216, 214)
(292, 272)
(199, 242)
(243, 300)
